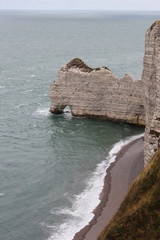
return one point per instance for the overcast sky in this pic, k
(81, 4)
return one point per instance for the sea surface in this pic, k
(52, 167)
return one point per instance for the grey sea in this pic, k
(52, 167)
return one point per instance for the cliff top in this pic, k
(154, 24)
(78, 63)
(139, 212)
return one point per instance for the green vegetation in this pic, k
(78, 63)
(138, 218)
(158, 21)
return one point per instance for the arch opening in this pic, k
(67, 109)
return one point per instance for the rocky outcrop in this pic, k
(151, 87)
(97, 93)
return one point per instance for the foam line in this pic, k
(82, 209)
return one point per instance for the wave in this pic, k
(45, 112)
(67, 113)
(22, 105)
(28, 90)
(42, 112)
(2, 87)
(82, 209)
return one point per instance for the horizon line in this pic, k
(102, 10)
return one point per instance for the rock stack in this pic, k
(97, 93)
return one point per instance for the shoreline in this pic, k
(119, 177)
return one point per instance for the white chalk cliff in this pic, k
(151, 88)
(97, 93)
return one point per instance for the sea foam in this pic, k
(42, 112)
(22, 105)
(28, 90)
(82, 209)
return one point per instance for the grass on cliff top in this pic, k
(154, 24)
(78, 63)
(138, 218)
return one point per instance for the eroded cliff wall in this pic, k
(151, 87)
(97, 93)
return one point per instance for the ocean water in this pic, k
(52, 167)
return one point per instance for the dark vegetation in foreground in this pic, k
(139, 215)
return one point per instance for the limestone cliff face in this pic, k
(97, 93)
(151, 87)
